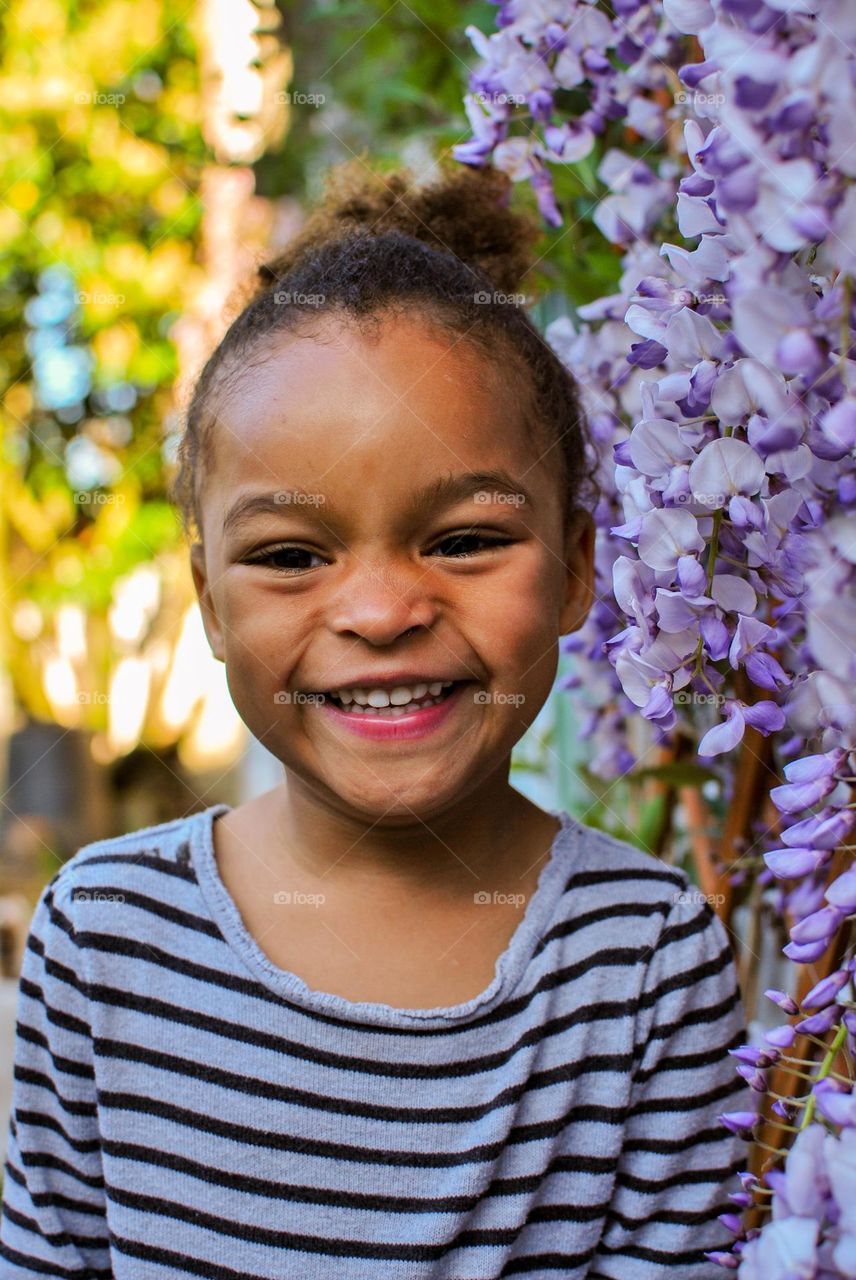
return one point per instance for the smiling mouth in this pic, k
(391, 712)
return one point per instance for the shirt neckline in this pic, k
(509, 968)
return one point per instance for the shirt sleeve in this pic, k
(54, 1221)
(678, 1162)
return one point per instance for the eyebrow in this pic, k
(444, 492)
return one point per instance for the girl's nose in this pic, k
(380, 604)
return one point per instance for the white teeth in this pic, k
(391, 712)
(398, 697)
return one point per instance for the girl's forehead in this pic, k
(406, 388)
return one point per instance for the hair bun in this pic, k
(463, 209)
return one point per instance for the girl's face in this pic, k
(350, 572)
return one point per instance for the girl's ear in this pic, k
(579, 566)
(213, 630)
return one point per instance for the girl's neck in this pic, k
(488, 842)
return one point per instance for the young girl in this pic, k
(390, 1019)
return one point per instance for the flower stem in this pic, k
(825, 1068)
(845, 328)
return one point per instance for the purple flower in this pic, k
(820, 924)
(842, 892)
(822, 831)
(783, 1000)
(825, 991)
(819, 1023)
(836, 1102)
(739, 1122)
(786, 1248)
(791, 863)
(766, 717)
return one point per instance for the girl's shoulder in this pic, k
(611, 880)
(164, 846)
(605, 861)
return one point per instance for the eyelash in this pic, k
(268, 556)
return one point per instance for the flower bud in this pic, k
(784, 1001)
(826, 990)
(723, 1259)
(818, 1023)
(739, 1122)
(820, 924)
(782, 1037)
(756, 1079)
(835, 1102)
(842, 892)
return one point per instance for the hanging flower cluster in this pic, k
(720, 392)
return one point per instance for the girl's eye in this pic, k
(274, 554)
(469, 537)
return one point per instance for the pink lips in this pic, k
(416, 724)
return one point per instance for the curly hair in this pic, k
(451, 250)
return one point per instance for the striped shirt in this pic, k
(184, 1107)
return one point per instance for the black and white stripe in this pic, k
(182, 1107)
